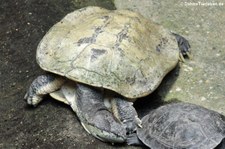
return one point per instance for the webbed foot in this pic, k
(95, 116)
(184, 47)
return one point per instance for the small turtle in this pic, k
(181, 126)
(100, 62)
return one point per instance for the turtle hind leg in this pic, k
(95, 116)
(184, 46)
(41, 86)
(124, 111)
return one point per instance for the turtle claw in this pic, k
(189, 55)
(184, 47)
(125, 112)
(181, 58)
(138, 121)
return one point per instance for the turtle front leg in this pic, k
(41, 86)
(184, 46)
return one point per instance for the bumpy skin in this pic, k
(89, 106)
(181, 125)
(126, 113)
(92, 112)
(41, 86)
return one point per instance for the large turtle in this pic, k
(181, 126)
(100, 61)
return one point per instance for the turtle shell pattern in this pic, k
(118, 50)
(182, 125)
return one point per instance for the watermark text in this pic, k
(199, 3)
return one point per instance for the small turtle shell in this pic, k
(182, 126)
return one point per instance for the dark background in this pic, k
(51, 125)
